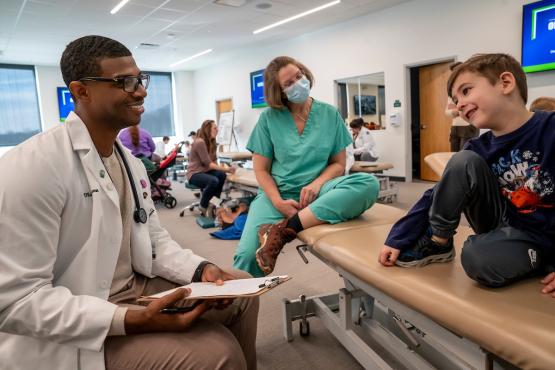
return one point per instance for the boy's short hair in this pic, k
(543, 103)
(81, 57)
(273, 94)
(490, 66)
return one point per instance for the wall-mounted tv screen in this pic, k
(538, 36)
(257, 89)
(366, 104)
(65, 103)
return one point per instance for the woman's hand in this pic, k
(287, 207)
(309, 193)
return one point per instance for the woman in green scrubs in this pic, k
(298, 148)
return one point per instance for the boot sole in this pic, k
(436, 258)
(261, 241)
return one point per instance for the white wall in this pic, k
(387, 41)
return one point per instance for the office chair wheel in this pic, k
(181, 213)
(304, 330)
(170, 202)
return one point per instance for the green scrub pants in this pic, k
(340, 199)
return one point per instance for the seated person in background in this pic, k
(363, 143)
(73, 264)
(192, 135)
(186, 148)
(298, 148)
(140, 142)
(161, 147)
(543, 103)
(503, 181)
(461, 131)
(202, 170)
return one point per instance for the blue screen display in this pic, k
(538, 36)
(257, 89)
(65, 103)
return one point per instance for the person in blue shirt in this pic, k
(298, 148)
(503, 181)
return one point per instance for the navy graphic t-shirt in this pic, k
(523, 162)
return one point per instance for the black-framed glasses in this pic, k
(129, 84)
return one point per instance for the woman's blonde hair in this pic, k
(273, 94)
(204, 133)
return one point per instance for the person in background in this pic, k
(161, 147)
(140, 142)
(298, 148)
(461, 131)
(186, 148)
(363, 143)
(203, 170)
(543, 103)
(192, 135)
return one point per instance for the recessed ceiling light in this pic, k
(119, 6)
(314, 10)
(233, 3)
(191, 57)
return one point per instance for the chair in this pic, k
(191, 206)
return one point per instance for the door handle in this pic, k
(422, 127)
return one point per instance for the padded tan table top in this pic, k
(244, 177)
(235, 156)
(438, 161)
(378, 214)
(516, 323)
(369, 167)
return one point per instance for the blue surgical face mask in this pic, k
(299, 91)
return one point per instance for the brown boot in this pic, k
(272, 238)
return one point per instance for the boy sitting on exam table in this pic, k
(503, 181)
(80, 241)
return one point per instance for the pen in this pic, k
(171, 310)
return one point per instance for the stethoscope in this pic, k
(139, 215)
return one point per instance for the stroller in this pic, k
(159, 185)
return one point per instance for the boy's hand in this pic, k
(388, 256)
(549, 282)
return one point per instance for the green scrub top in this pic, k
(299, 159)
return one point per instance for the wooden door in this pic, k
(435, 126)
(222, 106)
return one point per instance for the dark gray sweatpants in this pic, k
(498, 254)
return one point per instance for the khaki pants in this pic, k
(220, 339)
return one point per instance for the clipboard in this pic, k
(237, 288)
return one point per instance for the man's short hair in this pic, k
(543, 103)
(357, 123)
(490, 66)
(273, 94)
(81, 57)
(166, 138)
(192, 133)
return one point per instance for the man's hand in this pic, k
(288, 207)
(549, 282)
(388, 256)
(151, 320)
(214, 274)
(308, 194)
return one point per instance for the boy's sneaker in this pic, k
(426, 251)
(272, 238)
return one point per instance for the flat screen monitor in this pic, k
(257, 89)
(65, 103)
(538, 36)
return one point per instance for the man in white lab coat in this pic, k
(364, 147)
(80, 241)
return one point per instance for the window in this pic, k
(19, 104)
(158, 116)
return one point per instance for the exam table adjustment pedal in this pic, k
(301, 249)
(304, 325)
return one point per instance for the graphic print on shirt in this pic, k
(523, 181)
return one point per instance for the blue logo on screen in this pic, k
(257, 89)
(538, 36)
(65, 103)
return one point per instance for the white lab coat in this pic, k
(364, 143)
(59, 244)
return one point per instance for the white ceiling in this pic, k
(36, 31)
